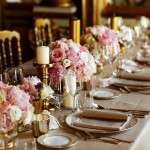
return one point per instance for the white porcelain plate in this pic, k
(75, 116)
(59, 140)
(106, 94)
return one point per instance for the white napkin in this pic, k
(102, 120)
(53, 123)
(133, 76)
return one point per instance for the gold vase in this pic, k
(8, 137)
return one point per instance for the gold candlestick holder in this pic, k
(43, 75)
(42, 72)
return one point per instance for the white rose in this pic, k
(84, 57)
(15, 113)
(93, 65)
(2, 97)
(74, 47)
(29, 117)
(46, 91)
(66, 63)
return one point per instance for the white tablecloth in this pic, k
(140, 133)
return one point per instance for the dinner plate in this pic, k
(106, 94)
(58, 140)
(75, 116)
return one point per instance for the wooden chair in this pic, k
(42, 29)
(10, 49)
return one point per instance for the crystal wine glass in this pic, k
(4, 77)
(15, 75)
(56, 83)
(73, 85)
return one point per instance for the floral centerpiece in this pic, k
(98, 37)
(14, 106)
(16, 101)
(68, 55)
(37, 90)
(73, 61)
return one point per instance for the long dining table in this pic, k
(134, 138)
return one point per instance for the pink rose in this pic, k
(57, 55)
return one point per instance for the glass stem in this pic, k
(74, 104)
(59, 116)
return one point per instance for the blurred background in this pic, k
(20, 15)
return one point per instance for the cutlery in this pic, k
(112, 140)
(92, 138)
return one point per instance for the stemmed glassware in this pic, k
(73, 85)
(57, 85)
(4, 76)
(15, 75)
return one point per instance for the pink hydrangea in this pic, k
(29, 86)
(15, 107)
(18, 97)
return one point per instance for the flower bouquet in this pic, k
(70, 58)
(97, 38)
(14, 106)
(67, 55)
(37, 90)
(15, 110)
(103, 44)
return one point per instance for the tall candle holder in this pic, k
(43, 75)
(42, 72)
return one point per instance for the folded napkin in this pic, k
(104, 114)
(102, 120)
(133, 76)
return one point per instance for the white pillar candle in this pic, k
(42, 55)
(70, 87)
(68, 100)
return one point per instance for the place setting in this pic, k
(101, 121)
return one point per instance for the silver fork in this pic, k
(109, 139)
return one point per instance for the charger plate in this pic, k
(58, 140)
(75, 116)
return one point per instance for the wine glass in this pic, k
(73, 84)
(4, 76)
(56, 83)
(15, 75)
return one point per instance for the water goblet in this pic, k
(4, 76)
(73, 86)
(57, 85)
(15, 75)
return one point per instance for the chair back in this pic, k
(10, 49)
(42, 29)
